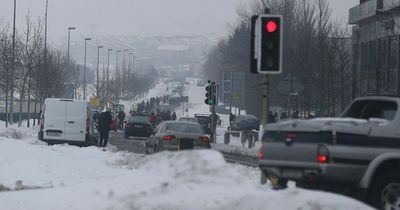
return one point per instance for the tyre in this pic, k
(155, 148)
(385, 191)
(264, 178)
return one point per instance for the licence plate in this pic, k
(293, 174)
(138, 126)
(56, 134)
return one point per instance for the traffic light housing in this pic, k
(270, 44)
(211, 94)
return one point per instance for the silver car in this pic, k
(175, 136)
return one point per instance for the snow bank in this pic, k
(37, 176)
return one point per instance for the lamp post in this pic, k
(97, 73)
(69, 43)
(84, 70)
(117, 77)
(108, 73)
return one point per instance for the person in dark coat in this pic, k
(103, 126)
(173, 116)
(121, 118)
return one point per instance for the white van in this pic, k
(67, 121)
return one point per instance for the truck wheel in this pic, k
(282, 184)
(385, 191)
(264, 179)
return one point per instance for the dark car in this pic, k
(205, 122)
(138, 126)
(245, 123)
(188, 119)
(174, 135)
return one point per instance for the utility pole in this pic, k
(13, 68)
(265, 104)
(108, 74)
(69, 42)
(84, 71)
(97, 72)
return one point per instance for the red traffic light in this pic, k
(271, 26)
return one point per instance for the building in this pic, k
(376, 47)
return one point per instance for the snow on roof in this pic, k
(173, 47)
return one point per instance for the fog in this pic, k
(139, 17)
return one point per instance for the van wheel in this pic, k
(385, 191)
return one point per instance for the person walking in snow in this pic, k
(173, 116)
(103, 126)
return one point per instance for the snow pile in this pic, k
(37, 176)
(21, 133)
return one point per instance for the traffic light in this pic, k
(269, 56)
(208, 100)
(211, 94)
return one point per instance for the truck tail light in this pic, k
(260, 153)
(322, 154)
(168, 137)
(204, 139)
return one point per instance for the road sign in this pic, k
(233, 88)
(95, 101)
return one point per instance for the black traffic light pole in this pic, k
(211, 100)
(265, 104)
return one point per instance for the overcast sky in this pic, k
(139, 17)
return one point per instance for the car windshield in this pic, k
(184, 128)
(139, 119)
(188, 119)
(203, 119)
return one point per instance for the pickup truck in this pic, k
(358, 151)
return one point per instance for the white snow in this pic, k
(36, 176)
(68, 177)
(160, 89)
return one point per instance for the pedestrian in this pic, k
(271, 118)
(173, 116)
(103, 126)
(121, 118)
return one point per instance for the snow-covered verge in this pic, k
(37, 176)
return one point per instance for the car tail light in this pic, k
(322, 154)
(260, 153)
(291, 136)
(168, 137)
(205, 139)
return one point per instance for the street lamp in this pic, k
(117, 95)
(69, 42)
(108, 73)
(84, 70)
(97, 73)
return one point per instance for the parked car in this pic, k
(188, 119)
(245, 123)
(67, 121)
(356, 152)
(138, 126)
(175, 135)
